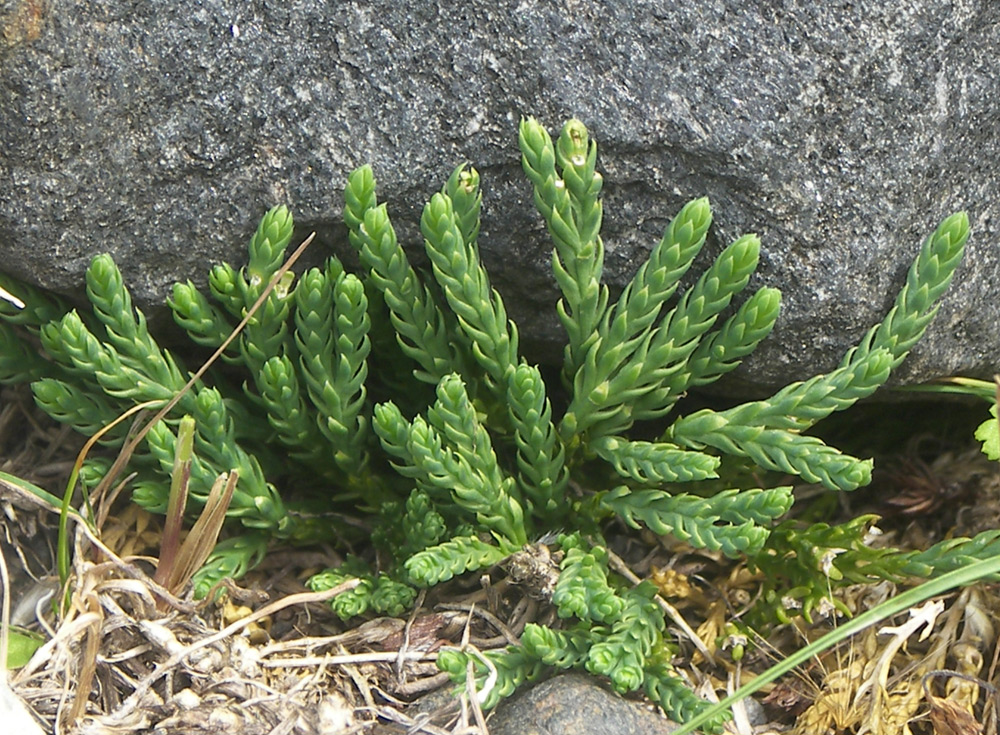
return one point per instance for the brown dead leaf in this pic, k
(424, 635)
(789, 697)
(951, 718)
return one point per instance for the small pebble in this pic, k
(578, 704)
(335, 715)
(186, 699)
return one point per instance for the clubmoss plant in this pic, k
(485, 467)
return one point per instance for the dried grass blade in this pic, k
(205, 532)
(62, 556)
(176, 503)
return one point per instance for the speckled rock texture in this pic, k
(573, 703)
(841, 133)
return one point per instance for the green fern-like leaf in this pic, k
(800, 405)
(350, 603)
(916, 304)
(655, 463)
(266, 333)
(19, 363)
(678, 337)
(39, 308)
(463, 191)
(255, 502)
(264, 347)
(508, 669)
(583, 590)
(87, 412)
(227, 287)
(332, 338)
(621, 655)
(454, 417)
(354, 602)
(231, 558)
(236, 290)
(390, 597)
(161, 441)
(267, 248)
(722, 350)
(569, 202)
(541, 455)
(126, 328)
(452, 452)
(287, 412)
(952, 554)
(766, 430)
(423, 526)
(466, 286)
(96, 364)
(205, 323)
(803, 564)
(732, 522)
(393, 431)
(657, 278)
(630, 323)
(353, 346)
(473, 491)
(444, 561)
(786, 451)
(564, 649)
(380, 593)
(359, 198)
(612, 405)
(665, 687)
(415, 315)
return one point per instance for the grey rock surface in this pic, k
(573, 703)
(841, 133)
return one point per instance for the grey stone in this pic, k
(841, 133)
(573, 703)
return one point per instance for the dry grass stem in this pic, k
(349, 658)
(4, 612)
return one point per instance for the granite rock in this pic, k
(574, 703)
(841, 133)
